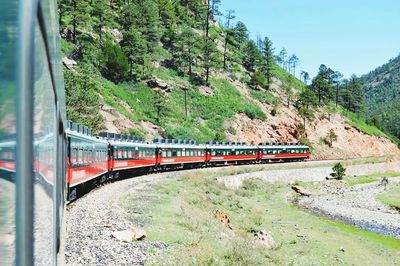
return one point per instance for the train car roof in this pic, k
(283, 147)
(85, 137)
(131, 144)
(225, 147)
(180, 146)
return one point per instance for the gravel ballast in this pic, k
(92, 219)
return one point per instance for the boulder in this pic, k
(302, 191)
(124, 236)
(130, 235)
(265, 239)
(117, 34)
(139, 233)
(69, 63)
(158, 83)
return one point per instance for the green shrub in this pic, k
(338, 171)
(232, 131)
(264, 97)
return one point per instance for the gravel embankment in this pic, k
(356, 205)
(92, 219)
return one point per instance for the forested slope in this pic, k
(382, 89)
(166, 68)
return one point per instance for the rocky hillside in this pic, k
(382, 88)
(170, 71)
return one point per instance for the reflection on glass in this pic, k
(8, 28)
(44, 154)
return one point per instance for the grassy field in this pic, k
(356, 180)
(180, 213)
(391, 197)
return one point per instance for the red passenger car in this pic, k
(179, 154)
(87, 160)
(231, 152)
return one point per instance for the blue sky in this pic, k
(351, 36)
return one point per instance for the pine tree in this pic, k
(241, 34)
(282, 58)
(148, 22)
(322, 85)
(116, 63)
(293, 62)
(135, 49)
(211, 57)
(101, 14)
(228, 34)
(167, 13)
(268, 52)
(188, 48)
(79, 10)
(252, 56)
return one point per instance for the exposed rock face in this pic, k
(285, 127)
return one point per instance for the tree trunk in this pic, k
(225, 48)
(337, 95)
(207, 35)
(190, 62)
(74, 24)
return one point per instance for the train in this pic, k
(47, 161)
(93, 160)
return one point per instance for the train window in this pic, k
(73, 156)
(179, 153)
(83, 159)
(174, 153)
(169, 153)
